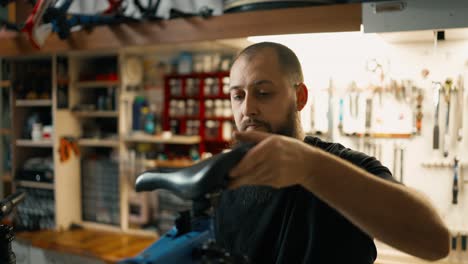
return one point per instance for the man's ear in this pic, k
(301, 96)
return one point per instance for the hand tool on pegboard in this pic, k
(447, 95)
(67, 145)
(437, 89)
(460, 107)
(456, 175)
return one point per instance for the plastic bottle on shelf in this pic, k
(209, 108)
(209, 129)
(190, 107)
(189, 127)
(226, 81)
(138, 103)
(181, 108)
(143, 116)
(218, 108)
(196, 127)
(207, 87)
(215, 87)
(172, 108)
(36, 133)
(227, 111)
(150, 126)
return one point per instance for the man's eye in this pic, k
(263, 93)
(237, 97)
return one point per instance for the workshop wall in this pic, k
(344, 58)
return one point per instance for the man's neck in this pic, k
(300, 133)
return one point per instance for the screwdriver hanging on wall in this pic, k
(455, 188)
(436, 99)
(460, 107)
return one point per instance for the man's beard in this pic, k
(288, 128)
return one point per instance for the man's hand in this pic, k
(275, 160)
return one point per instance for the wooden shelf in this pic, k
(109, 143)
(109, 114)
(180, 140)
(33, 103)
(5, 84)
(96, 84)
(32, 143)
(39, 185)
(325, 18)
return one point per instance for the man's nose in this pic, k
(249, 106)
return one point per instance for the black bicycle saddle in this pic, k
(194, 182)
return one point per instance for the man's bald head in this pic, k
(287, 59)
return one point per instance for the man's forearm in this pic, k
(384, 210)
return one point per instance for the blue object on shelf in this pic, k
(138, 104)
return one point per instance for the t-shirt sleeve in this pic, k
(362, 160)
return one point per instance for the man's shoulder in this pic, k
(332, 147)
(360, 159)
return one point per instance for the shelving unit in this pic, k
(33, 77)
(33, 143)
(31, 103)
(207, 93)
(104, 114)
(175, 139)
(38, 185)
(92, 129)
(106, 143)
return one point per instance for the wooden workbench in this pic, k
(108, 247)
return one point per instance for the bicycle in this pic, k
(50, 16)
(192, 238)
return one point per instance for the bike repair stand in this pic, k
(6, 237)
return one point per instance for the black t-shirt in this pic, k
(291, 225)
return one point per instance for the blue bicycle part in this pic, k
(175, 248)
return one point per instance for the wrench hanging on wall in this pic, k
(447, 94)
